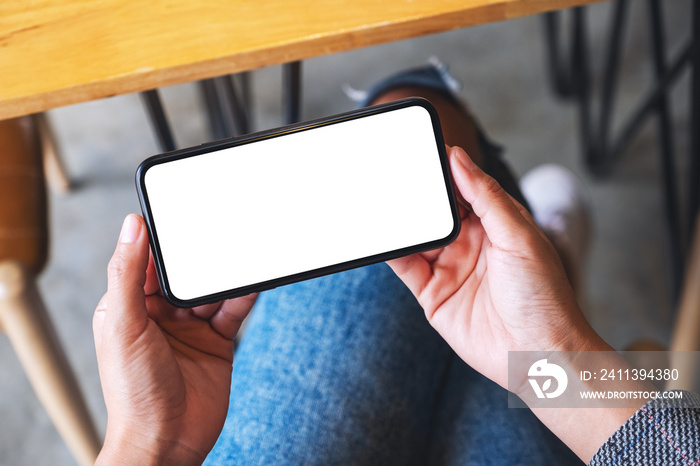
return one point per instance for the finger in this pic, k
(151, 286)
(126, 277)
(463, 204)
(502, 220)
(431, 255)
(414, 270)
(205, 311)
(228, 319)
(529, 219)
(98, 320)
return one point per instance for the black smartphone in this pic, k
(252, 213)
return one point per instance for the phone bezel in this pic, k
(278, 132)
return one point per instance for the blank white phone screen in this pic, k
(298, 202)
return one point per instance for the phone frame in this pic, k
(279, 132)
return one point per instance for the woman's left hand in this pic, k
(165, 371)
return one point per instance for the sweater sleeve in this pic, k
(663, 431)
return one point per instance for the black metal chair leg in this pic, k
(569, 72)
(648, 104)
(559, 73)
(214, 112)
(581, 85)
(245, 98)
(570, 78)
(668, 166)
(235, 112)
(227, 107)
(292, 92)
(609, 86)
(159, 122)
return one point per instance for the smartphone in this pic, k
(252, 213)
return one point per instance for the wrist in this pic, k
(576, 334)
(128, 448)
(585, 423)
(566, 341)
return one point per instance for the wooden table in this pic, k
(60, 52)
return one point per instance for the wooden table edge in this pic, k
(276, 54)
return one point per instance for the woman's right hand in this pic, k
(500, 286)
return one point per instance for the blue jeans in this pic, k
(345, 369)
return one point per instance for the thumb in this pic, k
(500, 217)
(126, 277)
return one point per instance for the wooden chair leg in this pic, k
(32, 335)
(54, 168)
(686, 335)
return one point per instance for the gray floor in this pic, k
(502, 68)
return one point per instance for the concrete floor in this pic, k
(502, 68)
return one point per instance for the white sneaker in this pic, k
(561, 207)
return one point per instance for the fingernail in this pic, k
(130, 230)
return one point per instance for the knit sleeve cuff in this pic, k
(663, 431)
